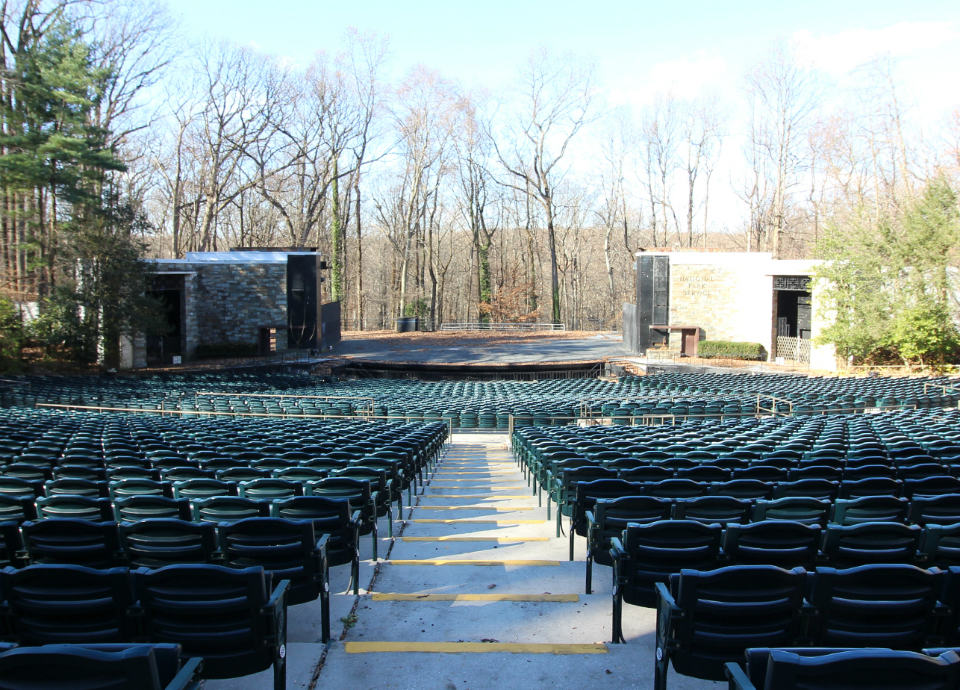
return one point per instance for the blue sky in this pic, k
(482, 42)
(641, 47)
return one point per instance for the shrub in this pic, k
(225, 350)
(710, 349)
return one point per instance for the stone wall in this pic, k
(727, 300)
(232, 301)
(229, 302)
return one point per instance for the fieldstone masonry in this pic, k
(232, 301)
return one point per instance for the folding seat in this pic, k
(869, 509)
(72, 542)
(288, 549)
(562, 486)
(808, 488)
(773, 542)
(931, 486)
(831, 474)
(158, 542)
(273, 464)
(763, 473)
(941, 546)
(674, 489)
(139, 487)
(877, 486)
(878, 605)
(330, 516)
(57, 604)
(117, 667)
(194, 489)
(845, 669)
(745, 489)
(713, 509)
(93, 474)
(608, 519)
(732, 462)
(708, 619)
(119, 474)
(17, 509)
(585, 498)
(648, 473)
(853, 472)
(809, 511)
(871, 542)
(937, 510)
(227, 509)
(76, 487)
(650, 553)
(20, 488)
(704, 473)
(182, 474)
(235, 620)
(836, 462)
(79, 507)
(31, 473)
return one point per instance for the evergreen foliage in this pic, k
(888, 282)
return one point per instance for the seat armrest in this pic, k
(355, 518)
(278, 594)
(616, 549)
(737, 677)
(665, 599)
(184, 680)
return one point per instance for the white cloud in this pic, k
(839, 53)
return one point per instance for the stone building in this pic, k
(685, 297)
(241, 302)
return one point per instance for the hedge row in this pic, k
(225, 350)
(709, 349)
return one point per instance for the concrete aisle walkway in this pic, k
(478, 593)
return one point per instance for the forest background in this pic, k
(122, 137)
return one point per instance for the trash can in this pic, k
(407, 324)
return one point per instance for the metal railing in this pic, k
(369, 400)
(503, 327)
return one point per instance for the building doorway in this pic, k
(794, 314)
(163, 347)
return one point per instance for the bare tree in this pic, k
(555, 99)
(782, 97)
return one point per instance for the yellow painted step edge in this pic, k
(500, 540)
(473, 647)
(471, 521)
(552, 598)
(501, 509)
(471, 562)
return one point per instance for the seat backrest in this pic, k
(808, 488)
(931, 486)
(713, 509)
(732, 609)
(879, 605)
(158, 542)
(58, 604)
(588, 493)
(941, 545)
(70, 667)
(936, 510)
(73, 542)
(674, 488)
(134, 508)
(746, 489)
(880, 669)
(810, 511)
(773, 542)
(871, 542)
(869, 509)
(871, 486)
(228, 508)
(286, 548)
(214, 612)
(658, 549)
